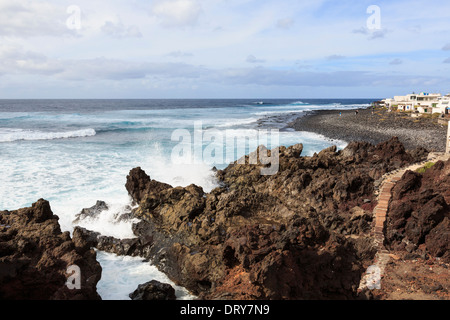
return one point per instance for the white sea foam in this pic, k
(11, 135)
(264, 113)
(299, 107)
(107, 223)
(299, 103)
(159, 166)
(122, 275)
(234, 122)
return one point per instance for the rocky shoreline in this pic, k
(36, 257)
(374, 126)
(304, 233)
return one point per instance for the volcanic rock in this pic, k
(35, 256)
(139, 184)
(154, 290)
(419, 212)
(124, 214)
(302, 233)
(91, 212)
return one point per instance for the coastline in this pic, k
(317, 210)
(374, 127)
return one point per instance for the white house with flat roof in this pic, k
(426, 102)
(443, 106)
(423, 102)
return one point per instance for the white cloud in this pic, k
(228, 37)
(16, 60)
(177, 13)
(26, 18)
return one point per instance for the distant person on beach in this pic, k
(340, 114)
(356, 112)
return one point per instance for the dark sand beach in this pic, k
(375, 126)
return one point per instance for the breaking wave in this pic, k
(10, 135)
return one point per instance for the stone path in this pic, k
(372, 278)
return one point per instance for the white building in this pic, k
(443, 105)
(423, 102)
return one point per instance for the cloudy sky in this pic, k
(223, 48)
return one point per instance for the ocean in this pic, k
(75, 152)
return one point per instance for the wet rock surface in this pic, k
(91, 212)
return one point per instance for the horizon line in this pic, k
(258, 99)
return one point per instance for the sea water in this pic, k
(75, 152)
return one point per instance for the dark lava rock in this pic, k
(154, 290)
(419, 212)
(91, 212)
(94, 211)
(301, 233)
(35, 256)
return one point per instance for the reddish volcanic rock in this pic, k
(35, 255)
(419, 213)
(437, 241)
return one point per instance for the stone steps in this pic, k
(384, 195)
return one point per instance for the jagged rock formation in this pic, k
(419, 213)
(91, 212)
(302, 233)
(35, 255)
(101, 206)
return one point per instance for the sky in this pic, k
(139, 49)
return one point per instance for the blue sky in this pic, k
(223, 48)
